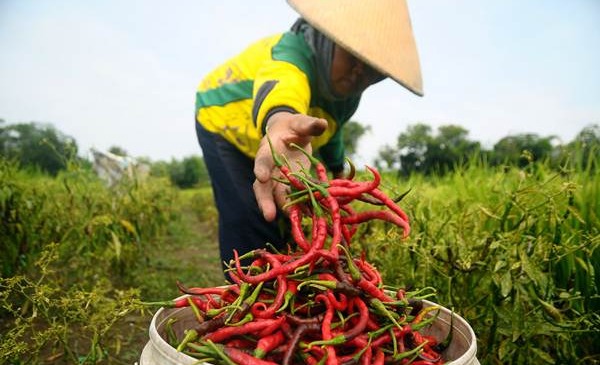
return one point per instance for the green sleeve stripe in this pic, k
(293, 49)
(224, 94)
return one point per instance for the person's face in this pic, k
(349, 75)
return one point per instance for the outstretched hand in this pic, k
(283, 129)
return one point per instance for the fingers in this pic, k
(287, 128)
(264, 197)
(304, 125)
(263, 185)
(263, 163)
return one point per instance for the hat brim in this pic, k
(378, 32)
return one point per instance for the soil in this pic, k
(188, 254)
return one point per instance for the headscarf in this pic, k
(322, 48)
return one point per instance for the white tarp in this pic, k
(112, 168)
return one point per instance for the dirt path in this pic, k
(195, 250)
(188, 253)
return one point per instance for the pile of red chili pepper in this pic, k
(316, 303)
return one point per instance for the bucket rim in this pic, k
(166, 351)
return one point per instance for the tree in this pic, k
(449, 148)
(589, 136)
(584, 150)
(119, 151)
(522, 149)
(420, 151)
(37, 145)
(387, 154)
(189, 172)
(412, 146)
(353, 131)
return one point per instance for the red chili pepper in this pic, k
(294, 182)
(329, 309)
(224, 333)
(229, 297)
(292, 289)
(339, 305)
(269, 311)
(320, 170)
(176, 303)
(293, 342)
(429, 355)
(321, 236)
(401, 294)
(240, 357)
(295, 216)
(378, 194)
(240, 343)
(379, 357)
(326, 328)
(353, 189)
(210, 325)
(373, 291)
(272, 274)
(363, 318)
(270, 329)
(318, 353)
(347, 235)
(336, 222)
(380, 340)
(370, 271)
(267, 343)
(219, 290)
(310, 360)
(372, 325)
(212, 303)
(367, 356)
(384, 215)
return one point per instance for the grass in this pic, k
(90, 256)
(188, 253)
(511, 250)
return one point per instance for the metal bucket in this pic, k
(462, 350)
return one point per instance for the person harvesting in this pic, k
(296, 88)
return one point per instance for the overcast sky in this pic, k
(125, 72)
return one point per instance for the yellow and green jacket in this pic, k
(274, 74)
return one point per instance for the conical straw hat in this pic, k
(378, 32)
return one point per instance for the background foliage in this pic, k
(72, 250)
(514, 251)
(508, 236)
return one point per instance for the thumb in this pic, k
(304, 125)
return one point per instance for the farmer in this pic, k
(299, 86)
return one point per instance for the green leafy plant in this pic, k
(49, 321)
(74, 250)
(516, 252)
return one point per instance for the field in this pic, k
(514, 251)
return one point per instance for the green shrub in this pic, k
(50, 322)
(74, 250)
(513, 251)
(203, 205)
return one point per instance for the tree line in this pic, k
(418, 149)
(42, 147)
